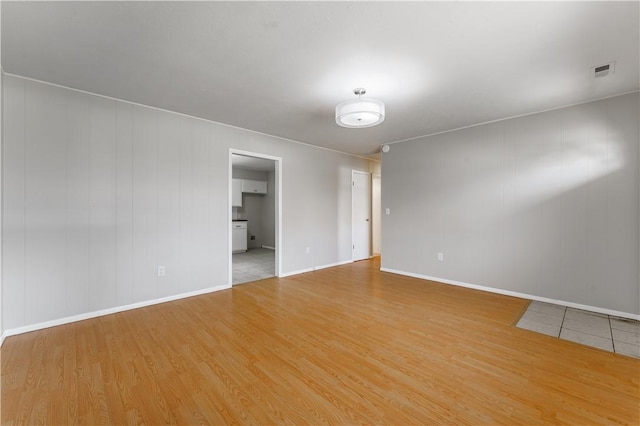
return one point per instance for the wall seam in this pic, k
(608, 203)
(24, 203)
(503, 278)
(89, 269)
(179, 266)
(116, 227)
(191, 197)
(157, 195)
(66, 203)
(562, 202)
(1, 196)
(586, 207)
(132, 192)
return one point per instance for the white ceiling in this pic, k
(281, 67)
(253, 163)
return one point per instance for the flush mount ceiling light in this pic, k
(361, 112)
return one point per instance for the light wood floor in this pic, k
(344, 345)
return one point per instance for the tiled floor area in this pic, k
(614, 334)
(254, 264)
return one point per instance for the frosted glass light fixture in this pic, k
(361, 112)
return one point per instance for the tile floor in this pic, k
(614, 334)
(254, 264)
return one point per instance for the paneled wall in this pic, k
(97, 193)
(544, 205)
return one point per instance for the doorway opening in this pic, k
(254, 216)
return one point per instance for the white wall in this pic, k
(269, 212)
(1, 137)
(545, 205)
(241, 173)
(98, 192)
(376, 218)
(376, 207)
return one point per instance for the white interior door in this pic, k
(361, 215)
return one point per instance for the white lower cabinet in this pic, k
(239, 236)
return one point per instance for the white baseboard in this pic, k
(315, 268)
(108, 311)
(517, 294)
(2, 336)
(269, 247)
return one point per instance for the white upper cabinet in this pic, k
(254, 186)
(239, 186)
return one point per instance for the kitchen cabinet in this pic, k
(236, 193)
(254, 186)
(239, 236)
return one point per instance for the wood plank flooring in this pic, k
(344, 345)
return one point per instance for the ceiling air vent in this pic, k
(603, 70)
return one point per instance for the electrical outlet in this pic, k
(441, 257)
(308, 250)
(253, 237)
(387, 211)
(162, 271)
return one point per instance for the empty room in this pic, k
(320, 212)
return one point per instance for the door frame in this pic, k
(278, 207)
(368, 174)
